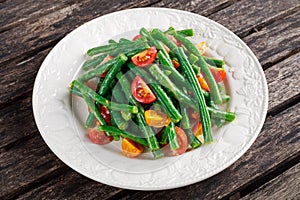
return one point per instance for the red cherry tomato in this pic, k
(99, 137)
(141, 91)
(175, 63)
(218, 73)
(144, 58)
(182, 141)
(105, 114)
(137, 37)
(203, 82)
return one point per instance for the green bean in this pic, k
(185, 32)
(164, 135)
(214, 62)
(185, 121)
(124, 134)
(172, 137)
(93, 107)
(102, 100)
(215, 94)
(111, 47)
(227, 116)
(166, 82)
(90, 120)
(193, 140)
(165, 61)
(111, 41)
(102, 68)
(111, 75)
(191, 76)
(92, 63)
(120, 122)
(159, 35)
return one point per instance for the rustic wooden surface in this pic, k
(268, 170)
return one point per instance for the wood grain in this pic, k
(285, 186)
(202, 7)
(283, 82)
(12, 15)
(276, 41)
(277, 135)
(71, 185)
(245, 16)
(29, 37)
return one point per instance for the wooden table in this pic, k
(270, 169)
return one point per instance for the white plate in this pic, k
(65, 136)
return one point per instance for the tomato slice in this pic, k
(145, 58)
(202, 46)
(137, 37)
(99, 137)
(130, 148)
(197, 130)
(218, 73)
(157, 118)
(105, 114)
(182, 141)
(141, 91)
(203, 82)
(176, 63)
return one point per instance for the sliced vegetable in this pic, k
(197, 130)
(144, 58)
(203, 82)
(156, 118)
(218, 73)
(141, 92)
(99, 137)
(130, 148)
(202, 46)
(105, 114)
(182, 142)
(137, 37)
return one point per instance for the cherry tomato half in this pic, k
(175, 63)
(105, 114)
(144, 58)
(203, 82)
(182, 141)
(99, 137)
(137, 37)
(218, 73)
(197, 130)
(141, 91)
(130, 148)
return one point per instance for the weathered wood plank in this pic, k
(48, 29)
(12, 15)
(246, 15)
(202, 7)
(71, 185)
(279, 133)
(276, 41)
(24, 164)
(285, 186)
(17, 78)
(283, 81)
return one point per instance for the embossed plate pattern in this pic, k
(53, 112)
